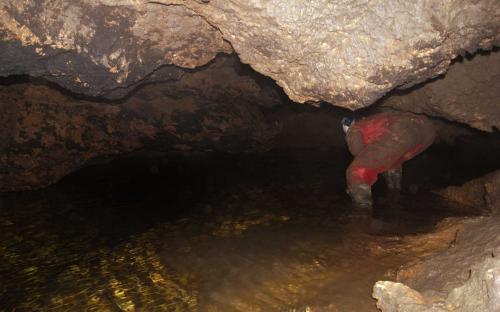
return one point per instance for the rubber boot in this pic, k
(361, 196)
(393, 179)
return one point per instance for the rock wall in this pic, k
(348, 53)
(465, 276)
(469, 93)
(45, 133)
(482, 192)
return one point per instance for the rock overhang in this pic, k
(348, 53)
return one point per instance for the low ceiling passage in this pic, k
(107, 78)
(47, 131)
(186, 155)
(349, 54)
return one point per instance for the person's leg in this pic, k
(361, 196)
(393, 178)
(360, 178)
(374, 159)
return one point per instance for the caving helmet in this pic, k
(346, 123)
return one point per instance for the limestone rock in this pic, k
(397, 297)
(483, 192)
(102, 49)
(46, 134)
(350, 53)
(463, 278)
(469, 93)
(481, 293)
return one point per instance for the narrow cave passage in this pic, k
(154, 156)
(212, 191)
(186, 231)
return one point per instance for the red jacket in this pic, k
(385, 141)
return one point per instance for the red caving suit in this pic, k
(383, 142)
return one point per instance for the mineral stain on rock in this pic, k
(49, 133)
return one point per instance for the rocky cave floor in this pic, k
(220, 232)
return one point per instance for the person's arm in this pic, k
(354, 140)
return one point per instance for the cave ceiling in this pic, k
(348, 53)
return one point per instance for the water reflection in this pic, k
(203, 233)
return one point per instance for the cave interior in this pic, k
(211, 187)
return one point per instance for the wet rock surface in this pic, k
(465, 276)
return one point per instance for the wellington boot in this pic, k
(393, 179)
(361, 196)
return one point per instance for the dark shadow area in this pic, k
(133, 193)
